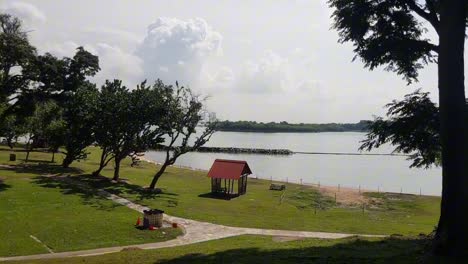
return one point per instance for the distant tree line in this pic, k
(272, 127)
(51, 103)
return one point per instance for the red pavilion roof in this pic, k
(229, 169)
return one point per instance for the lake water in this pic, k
(386, 173)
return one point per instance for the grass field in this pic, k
(66, 218)
(259, 249)
(185, 196)
(61, 216)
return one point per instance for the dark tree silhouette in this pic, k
(15, 55)
(390, 33)
(412, 125)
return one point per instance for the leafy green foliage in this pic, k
(138, 113)
(412, 126)
(78, 123)
(183, 113)
(15, 55)
(385, 32)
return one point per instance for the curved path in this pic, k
(195, 232)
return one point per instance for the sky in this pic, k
(272, 60)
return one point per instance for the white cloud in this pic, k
(221, 80)
(26, 12)
(115, 37)
(271, 73)
(115, 63)
(118, 64)
(176, 50)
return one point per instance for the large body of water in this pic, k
(386, 173)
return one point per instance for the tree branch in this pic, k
(431, 17)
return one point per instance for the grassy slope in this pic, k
(407, 214)
(61, 216)
(259, 249)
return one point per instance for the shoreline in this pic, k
(339, 190)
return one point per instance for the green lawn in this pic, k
(261, 208)
(27, 197)
(61, 216)
(259, 249)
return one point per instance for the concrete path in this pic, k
(194, 232)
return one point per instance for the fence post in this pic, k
(335, 198)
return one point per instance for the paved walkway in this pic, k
(195, 232)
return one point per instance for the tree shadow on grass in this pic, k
(123, 188)
(3, 186)
(88, 196)
(43, 169)
(218, 196)
(354, 250)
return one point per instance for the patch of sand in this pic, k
(346, 196)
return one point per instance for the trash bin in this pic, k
(12, 157)
(153, 218)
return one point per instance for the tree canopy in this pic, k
(394, 34)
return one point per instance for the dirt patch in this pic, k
(286, 238)
(347, 196)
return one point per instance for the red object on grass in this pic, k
(151, 228)
(174, 225)
(229, 169)
(138, 223)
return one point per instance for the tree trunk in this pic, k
(10, 142)
(28, 149)
(452, 231)
(102, 163)
(158, 175)
(67, 161)
(116, 169)
(53, 157)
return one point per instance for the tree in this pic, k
(37, 125)
(128, 122)
(56, 136)
(184, 111)
(15, 55)
(412, 126)
(389, 33)
(78, 123)
(10, 127)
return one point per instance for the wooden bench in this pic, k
(277, 187)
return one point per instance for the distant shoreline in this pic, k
(302, 132)
(284, 127)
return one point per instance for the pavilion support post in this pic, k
(245, 189)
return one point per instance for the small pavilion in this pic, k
(225, 173)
